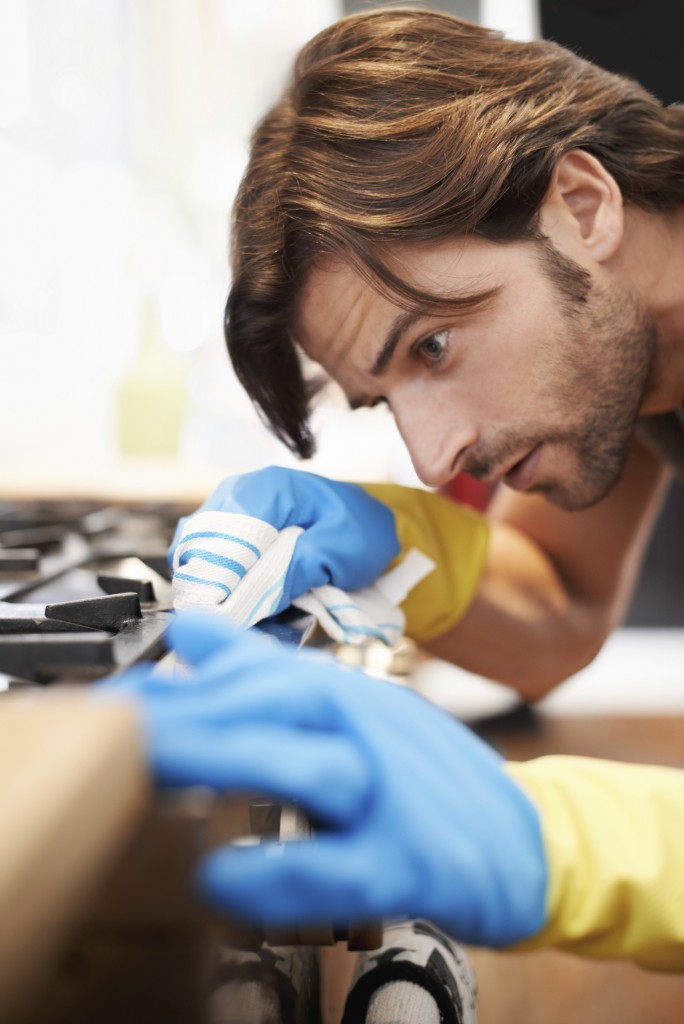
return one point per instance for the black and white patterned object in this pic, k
(272, 985)
(417, 952)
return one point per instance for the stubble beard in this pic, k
(594, 374)
(605, 372)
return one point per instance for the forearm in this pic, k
(524, 628)
(496, 602)
(613, 839)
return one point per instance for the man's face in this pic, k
(529, 386)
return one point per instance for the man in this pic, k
(489, 236)
(490, 240)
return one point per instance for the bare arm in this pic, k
(555, 583)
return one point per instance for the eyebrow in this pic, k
(398, 329)
(400, 326)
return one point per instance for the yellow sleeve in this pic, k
(614, 837)
(454, 536)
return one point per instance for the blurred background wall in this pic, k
(123, 134)
(124, 127)
(642, 39)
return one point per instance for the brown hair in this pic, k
(410, 125)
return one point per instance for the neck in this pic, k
(651, 262)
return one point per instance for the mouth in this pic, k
(520, 476)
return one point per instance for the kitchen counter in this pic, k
(121, 480)
(639, 671)
(548, 987)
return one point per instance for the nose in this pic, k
(437, 440)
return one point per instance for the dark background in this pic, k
(645, 40)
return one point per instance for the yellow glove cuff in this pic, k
(614, 838)
(454, 536)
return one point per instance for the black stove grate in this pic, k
(84, 589)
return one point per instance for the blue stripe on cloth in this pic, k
(280, 582)
(221, 536)
(206, 583)
(364, 630)
(211, 557)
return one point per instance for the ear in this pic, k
(584, 200)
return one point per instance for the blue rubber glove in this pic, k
(415, 815)
(349, 537)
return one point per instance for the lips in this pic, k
(520, 476)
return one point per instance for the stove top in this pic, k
(85, 592)
(84, 589)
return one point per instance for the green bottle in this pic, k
(151, 397)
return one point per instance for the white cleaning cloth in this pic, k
(237, 565)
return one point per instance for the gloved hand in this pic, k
(415, 816)
(348, 539)
(353, 533)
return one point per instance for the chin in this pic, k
(576, 498)
(582, 476)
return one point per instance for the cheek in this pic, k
(425, 392)
(431, 406)
(506, 375)
(449, 394)
(484, 394)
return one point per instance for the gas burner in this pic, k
(84, 589)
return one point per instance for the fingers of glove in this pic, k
(153, 688)
(246, 703)
(271, 494)
(254, 494)
(349, 547)
(225, 655)
(133, 681)
(349, 537)
(196, 636)
(216, 646)
(292, 883)
(324, 773)
(243, 677)
(237, 688)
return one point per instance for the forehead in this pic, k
(340, 311)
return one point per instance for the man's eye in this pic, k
(434, 347)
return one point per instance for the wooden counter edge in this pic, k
(73, 790)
